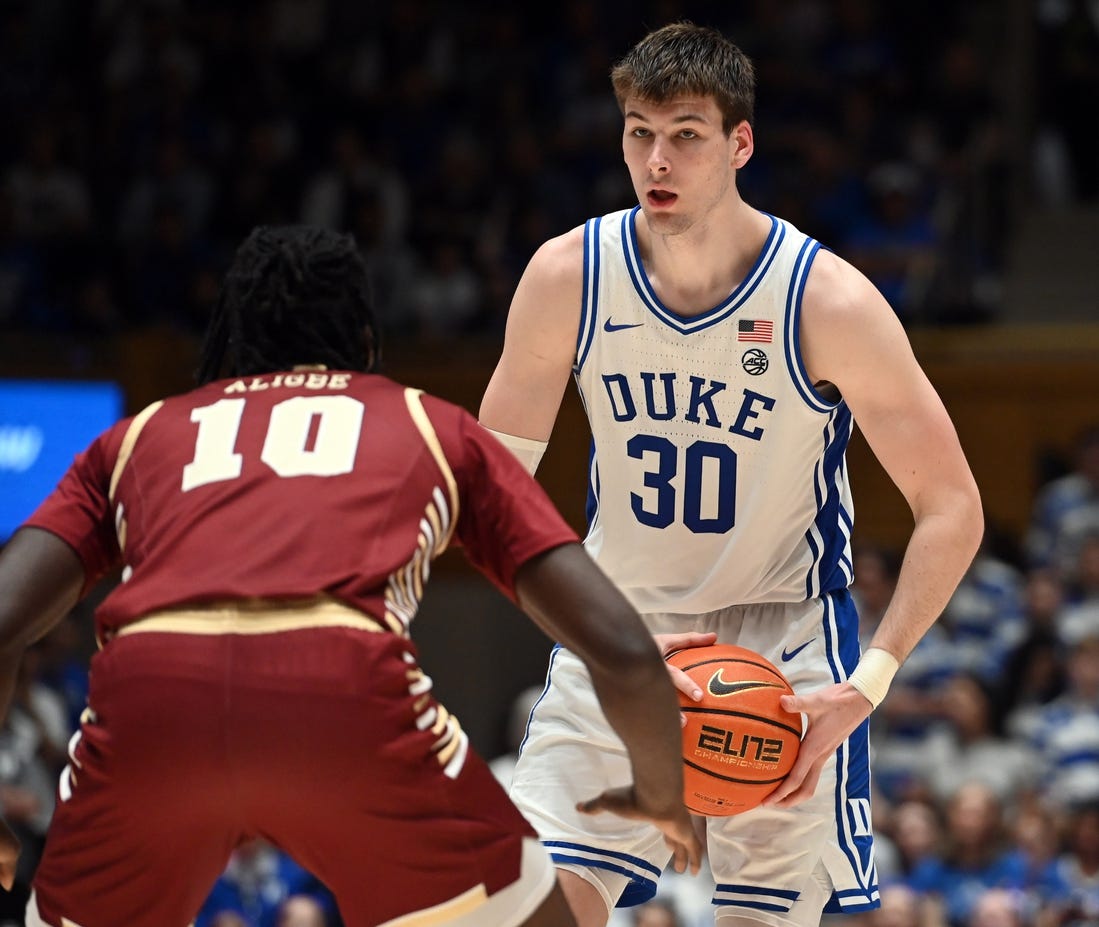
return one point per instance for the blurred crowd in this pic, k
(144, 138)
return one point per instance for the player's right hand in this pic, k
(9, 855)
(670, 643)
(675, 824)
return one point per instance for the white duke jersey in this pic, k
(717, 475)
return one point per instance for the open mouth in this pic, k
(660, 197)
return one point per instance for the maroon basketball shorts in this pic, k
(325, 741)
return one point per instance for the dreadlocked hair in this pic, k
(293, 295)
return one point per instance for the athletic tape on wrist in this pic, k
(874, 673)
(526, 450)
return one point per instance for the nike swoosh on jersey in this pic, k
(788, 655)
(719, 687)
(609, 326)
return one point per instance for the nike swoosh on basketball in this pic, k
(609, 326)
(788, 655)
(718, 686)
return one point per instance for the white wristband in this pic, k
(874, 673)
(526, 450)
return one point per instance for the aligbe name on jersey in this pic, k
(314, 379)
(658, 401)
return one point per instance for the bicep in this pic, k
(855, 340)
(526, 388)
(911, 434)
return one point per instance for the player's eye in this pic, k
(640, 132)
(688, 133)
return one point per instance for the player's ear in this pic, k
(743, 143)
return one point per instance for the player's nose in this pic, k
(658, 162)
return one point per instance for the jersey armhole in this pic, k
(792, 330)
(427, 431)
(585, 335)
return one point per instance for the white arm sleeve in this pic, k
(526, 450)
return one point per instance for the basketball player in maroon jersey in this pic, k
(256, 677)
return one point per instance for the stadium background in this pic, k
(944, 147)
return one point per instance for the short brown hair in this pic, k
(682, 58)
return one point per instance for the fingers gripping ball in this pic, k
(738, 742)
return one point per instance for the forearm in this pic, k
(938, 554)
(9, 667)
(573, 601)
(41, 578)
(642, 708)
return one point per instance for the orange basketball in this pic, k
(738, 742)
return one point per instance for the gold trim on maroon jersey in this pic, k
(431, 439)
(260, 617)
(128, 442)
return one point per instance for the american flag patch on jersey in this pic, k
(755, 330)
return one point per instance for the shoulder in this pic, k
(847, 326)
(545, 309)
(560, 260)
(836, 292)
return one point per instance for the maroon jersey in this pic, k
(292, 485)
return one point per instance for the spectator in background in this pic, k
(916, 832)
(1082, 581)
(903, 907)
(445, 295)
(895, 244)
(656, 913)
(301, 911)
(976, 855)
(353, 171)
(50, 200)
(164, 271)
(1032, 673)
(173, 180)
(391, 262)
(1066, 731)
(999, 907)
(1066, 507)
(24, 300)
(1035, 833)
(1077, 868)
(876, 569)
(255, 885)
(984, 617)
(968, 745)
(33, 740)
(1067, 70)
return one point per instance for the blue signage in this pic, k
(43, 425)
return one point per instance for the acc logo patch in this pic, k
(754, 361)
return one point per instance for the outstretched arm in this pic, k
(40, 581)
(573, 602)
(853, 339)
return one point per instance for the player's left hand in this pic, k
(9, 855)
(670, 643)
(831, 715)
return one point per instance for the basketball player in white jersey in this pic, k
(722, 357)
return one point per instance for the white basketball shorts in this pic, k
(764, 860)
